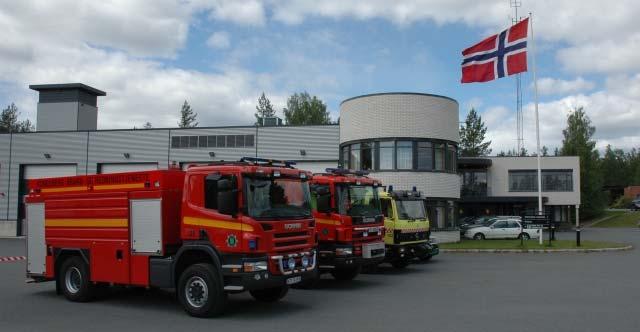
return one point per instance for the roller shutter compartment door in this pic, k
(48, 171)
(126, 167)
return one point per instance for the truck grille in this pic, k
(290, 234)
(399, 237)
(367, 220)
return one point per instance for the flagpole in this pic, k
(535, 93)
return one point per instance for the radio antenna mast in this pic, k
(515, 4)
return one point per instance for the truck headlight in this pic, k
(255, 266)
(344, 251)
(291, 263)
(305, 261)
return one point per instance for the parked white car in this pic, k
(500, 228)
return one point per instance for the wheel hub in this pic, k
(73, 280)
(197, 292)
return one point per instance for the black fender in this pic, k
(58, 252)
(164, 272)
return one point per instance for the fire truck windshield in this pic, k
(410, 209)
(356, 200)
(277, 198)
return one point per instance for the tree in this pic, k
(147, 125)
(264, 109)
(187, 116)
(9, 121)
(303, 109)
(545, 151)
(578, 141)
(472, 134)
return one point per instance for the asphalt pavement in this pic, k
(455, 292)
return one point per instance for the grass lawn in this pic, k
(620, 219)
(530, 244)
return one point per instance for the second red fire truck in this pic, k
(208, 231)
(349, 222)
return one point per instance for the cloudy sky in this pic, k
(149, 56)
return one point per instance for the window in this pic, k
(193, 141)
(231, 141)
(404, 155)
(211, 141)
(512, 224)
(451, 158)
(386, 155)
(552, 180)
(367, 156)
(175, 142)
(439, 157)
(203, 141)
(474, 183)
(184, 142)
(354, 158)
(425, 156)
(345, 156)
(221, 141)
(500, 224)
(386, 208)
(248, 140)
(239, 141)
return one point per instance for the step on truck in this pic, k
(206, 232)
(407, 227)
(349, 222)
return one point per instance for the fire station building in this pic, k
(403, 139)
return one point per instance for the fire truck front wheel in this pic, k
(201, 291)
(270, 294)
(74, 280)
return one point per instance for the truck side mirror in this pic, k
(227, 197)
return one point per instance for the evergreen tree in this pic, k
(264, 109)
(147, 125)
(578, 141)
(472, 136)
(302, 109)
(9, 121)
(545, 151)
(187, 116)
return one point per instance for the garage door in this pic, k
(48, 171)
(126, 167)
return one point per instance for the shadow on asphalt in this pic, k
(330, 284)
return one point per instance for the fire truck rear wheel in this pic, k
(74, 280)
(269, 294)
(345, 274)
(201, 291)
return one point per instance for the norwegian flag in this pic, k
(498, 56)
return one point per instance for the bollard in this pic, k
(553, 233)
(577, 237)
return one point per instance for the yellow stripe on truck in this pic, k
(119, 186)
(63, 189)
(237, 226)
(86, 222)
(327, 221)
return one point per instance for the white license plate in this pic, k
(294, 280)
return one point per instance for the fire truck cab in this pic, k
(212, 230)
(407, 227)
(349, 222)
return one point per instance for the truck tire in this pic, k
(524, 236)
(201, 291)
(269, 294)
(75, 281)
(345, 274)
(400, 263)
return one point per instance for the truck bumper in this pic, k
(328, 260)
(240, 282)
(410, 251)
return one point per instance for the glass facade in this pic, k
(473, 183)
(403, 154)
(552, 180)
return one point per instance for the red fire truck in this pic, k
(208, 231)
(350, 224)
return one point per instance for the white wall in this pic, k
(399, 115)
(443, 185)
(498, 177)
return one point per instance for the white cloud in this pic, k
(602, 56)
(244, 12)
(554, 86)
(219, 40)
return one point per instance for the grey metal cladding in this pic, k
(57, 116)
(141, 145)
(87, 117)
(318, 142)
(72, 95)
(202, 154)
(5, 142)
(30, 149)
